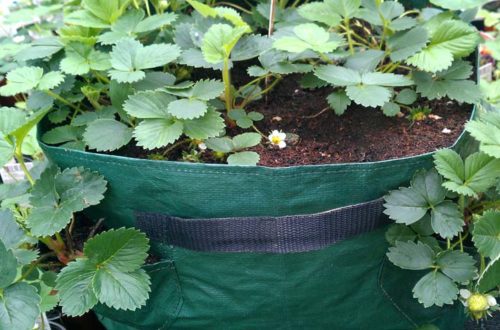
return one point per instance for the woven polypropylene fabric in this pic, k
(488, 324)
(286, 234)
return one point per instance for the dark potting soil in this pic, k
(360, 135)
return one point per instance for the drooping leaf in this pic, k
(57, 195)
(435, 289)
(41, 48)
(8, 264)
(487, 131)
(244, 158)
(246, 140)
(486, 234)
(339, 102)
(368, 95)
(489, 279)
(338, 76)
(397, 232)
(219, 41)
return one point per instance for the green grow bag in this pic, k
(263, 248)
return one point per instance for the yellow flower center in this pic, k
(275, 139)
(477, 302)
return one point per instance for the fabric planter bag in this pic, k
(258, 247)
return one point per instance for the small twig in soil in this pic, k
(318, 114)
(95, 228)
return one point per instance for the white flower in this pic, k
(202, 146)
(446, 131)
(464, 293)
(277, 138)
(491, 300)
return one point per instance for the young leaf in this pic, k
(57, 195)
(219, 41)
(451, 39)
(435, 289)
(107, 135)
(406, 96)
(391, 109)
(246, 140)
(244, 158)
(409, 255)
(345, 8)
(19, 306)
(320, 12)
(339, 102)
(458, 266)
(129, 58)
(486, 234)
(157, 133)
(369, 96)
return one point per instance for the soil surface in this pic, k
(360, 135)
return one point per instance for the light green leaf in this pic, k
(107, 10)
(8, 264)
(6, 152)
(148, 104)
(21, 132)
(486, 234)
(50, 80)
(154, 22)
(81, 58)
(41, 48)
(410, 255)
(435, 289)
(338, 76)
(207, 89)
(11, 234)
(457, 265)
(14, 299)
(458, 4)
(339, 102)
(385, 79)
(244, 158)
(223, 144)
(428, 184)
(10, 119)
(219, 41)
(85, 18)
(446, 219)
(21, 80)
(187, 108)
(57, 195)
(487, 131)
(489, 279)
(319, 12)
(450, 165)
(129, 58)
(368, 95)
(345, 8)
(63, 134)
(157, 133)
(107, 135)
(365, 61)
(391, 109)
(210, 125)
(451, 39)
(246, 140)
(405, 205)
(308, 36)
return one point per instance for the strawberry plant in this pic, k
(447, 223)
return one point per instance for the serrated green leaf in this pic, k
(450, 165)
(457, 265)
(244, 158)
(129, 58)
(207, 89)
(339, 102)
(11, 234)
(81, 58)
(486, 234)
(219, 41)
(21, 80)
(15, 298)
(107, 135)
(488, 280)
(406, 96)
(57, 195)
(398, 232)
(368, 95)
(155, 80)
(308, 36)
(41, 48)
(10, 119)
(210, 125)
(487, 131)
(451, 39)
(428, 184)
(410, 255)
(21, 132)
(75, 287)
(337, 75)
(8, 264)
(406, 44)
(458, 4)
(224, 12)
(49, 298)
(405, 206)
(446, 219)
(345, 8)
(319, 12)
(107, 10)
(157, 133)
(435, 289)
(365, 61)
(63, 134)
(246, 140)
(148, 104)
(187, 108)
(119, 290)
(50, 80)
(6, 152)
(385, 79)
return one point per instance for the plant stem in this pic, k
(19, 157)
(235, 6)
(226, 78)
(349, 36)
(99, 76)
(483, 265)
(61, 99)
(175, 145)
(146, 4)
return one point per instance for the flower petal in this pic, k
(464, 293)
(282, 144)
(491, 300)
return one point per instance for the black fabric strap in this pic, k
(264, 234)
